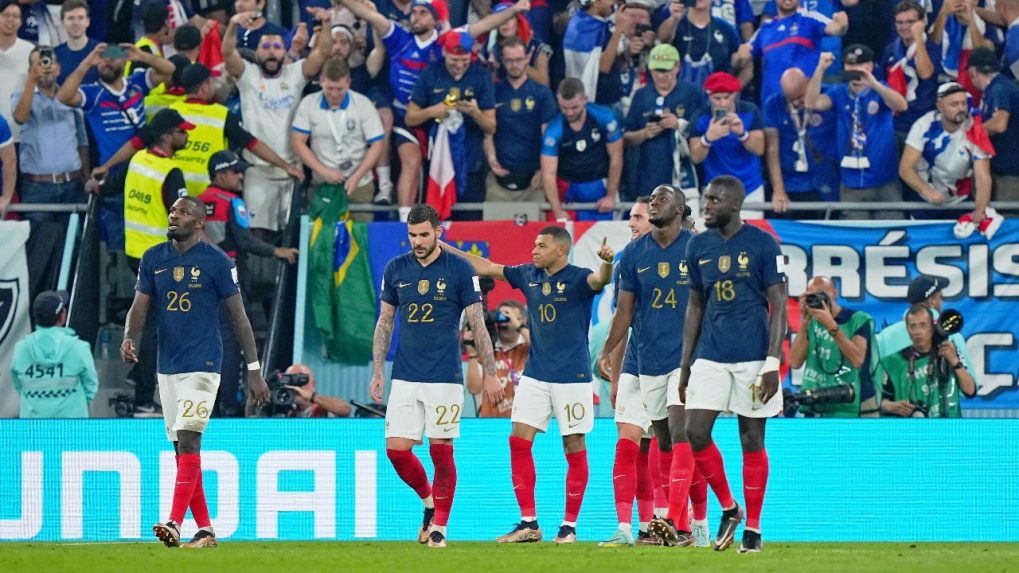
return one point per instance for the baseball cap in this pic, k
(226, 159)
(458, 41)
(949, 88)
(438, 9)
(187, 38)
(857, 54)
(168, 119)
(721, 83)
(663, 57)
(984, 60)
(193, 76)
(924, 287)
(47, 306)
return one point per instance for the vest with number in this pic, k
(826, 366)
(160, 98)
(153, 48)
(208, 137)
(145, 216)
(912, 378)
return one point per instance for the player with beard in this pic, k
(410, 52)
(557, 378)
(270, 91)
(182, 282)
(430, 288)
(654, 283)
(736, 276)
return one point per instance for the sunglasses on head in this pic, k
(267, 45)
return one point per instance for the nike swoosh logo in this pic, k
(575, 494)
(703, 261)
(438, 90)
(160, 271)
(643, 269)
(447, 429)
(533, 284)
(402, 285)
(618, 477)
(575, 425)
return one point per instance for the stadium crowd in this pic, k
(539, 101)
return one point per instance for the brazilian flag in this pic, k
(354, 295)
(328, 208)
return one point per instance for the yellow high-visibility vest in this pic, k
(208, 137)
(158, 99)
(153, 48)
(145, 216)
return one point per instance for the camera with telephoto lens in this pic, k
(817, 300)
(949, 323)
(284, 399)
(836, 394)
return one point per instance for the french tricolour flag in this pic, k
(447, 169)
(582, 48)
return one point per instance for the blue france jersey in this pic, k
(559, 314)
(659, 278)
(727, 155)
(734, 276)
(429, 300)
(790, 42)
(520, 113)
(582, 154)
(407, 59)
(186, 289)
(877, 119)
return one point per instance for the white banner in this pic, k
(14, 306)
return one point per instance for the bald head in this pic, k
(794, 85)
(302, 369)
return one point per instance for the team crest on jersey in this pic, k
(178, 273)
(560, 286)
(546, 289)
(663, 270)
(873, 107)
(195, 273)
(743, 260)
(440, 286)
(680, 110)
(422, 286)
(515, 104)
(724, 262)
(351, 125)
(595, 135)
(683, 269)
(581, 144)
(529, 103)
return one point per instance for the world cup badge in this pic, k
(724, 262)
(423, 286)
(663, 269)
(178, 273)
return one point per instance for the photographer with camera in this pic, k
(292, 395)
(924, 380)
(512, 342)
(835, 347)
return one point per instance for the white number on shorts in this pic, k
(453, 410)
(191, 409)
(574, 412)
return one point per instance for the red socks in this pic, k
(624, 478)
(665, 473)
(576, 483)
(645, 489)
(709, 462)
(410, 470)
(445, 481)
(699, 495)
(755, 480)
(189, 472)
(199, 509)
(661, 499)
(679, 486)
(522, 465)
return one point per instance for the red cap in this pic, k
(721, 83)
(457, 41)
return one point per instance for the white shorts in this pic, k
(424, 407)
(187, 400)
(659, 393)
(535, 402)
(267, 192)
(726, 387)
(630, 404)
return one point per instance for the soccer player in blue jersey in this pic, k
(557, 377)
(410, 52)
(654, 285)
(735, 325)
(183, 281)
(430, 288)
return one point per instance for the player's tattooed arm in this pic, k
(483, 266)
(482, 340)
(476, 318)
(133, 326)
(381, 340)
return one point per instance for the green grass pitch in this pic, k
(380, 557)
